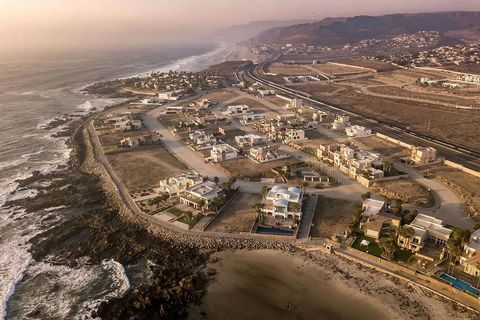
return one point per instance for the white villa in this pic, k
(201, 194)
(357, 131)
(472, 255)
(238, 109)
(248, 140)
(180, 183)
(292, 135)
(222, 152)
(199, 137)
(428, 230)
(284, 203)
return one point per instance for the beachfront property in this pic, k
(143, 140)
(201, 195)
(357, 131)
(178, 184)
(340, 122)
(427, 230)
(248, 140)
(294, 135)
(375, 220)
(471, 256)
(266, 153)
(222, 152)
(238, 109)
(284, 203)
(423, 155)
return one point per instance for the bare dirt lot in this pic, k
(289, 69)
(239, 216)
(336, 70)
(220, 95)
(405, 189)
(379, 66)
(112, 138)
(382, 146)
(466, 185)
(332, 217)
(142, 168)
(244, 167)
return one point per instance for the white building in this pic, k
(427, 230)
(264, 93)
(284, 203)
(222, 152)
(201, 195)
(423, 155)
(372, 207)
(293, 135)
(248, 140)
(266, 153)
(251, 118)
(340, 122)
(200, 138)
(238, 109)
(169, 95)
(178, 184)
(357, 131)
(472, 255)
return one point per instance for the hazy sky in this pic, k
(76, 23)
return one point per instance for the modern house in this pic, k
(238, 109)
(201, 195)
(199, 137)
(178, 184)
(423, 155)
(266, 153)
(248, 140)
(375, 220)
(284, 203)
(340, 122)
(357, 131)
(293, 135)
(471, 257)
(251, 118)
(427, 230)
(222, 152)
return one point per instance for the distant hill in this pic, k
(339, 31)
(242, 32)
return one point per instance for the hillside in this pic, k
(340, 31)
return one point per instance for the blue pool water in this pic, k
(460, 284)
(277, 231)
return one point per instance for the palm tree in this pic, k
(406, 233)
(265, 190)
(478, 275)
(387, 166)
(388, 248)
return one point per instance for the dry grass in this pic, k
(289, 69)
(335, 70)
(382, 146)
(405, 189)
(220, 95)
(142, 168)
(108, 139)
(246, 168)
(332, 217)
(239, 216)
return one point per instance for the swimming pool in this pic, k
(460, 284)
(282, 232)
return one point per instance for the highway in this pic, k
(468, 157)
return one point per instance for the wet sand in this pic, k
(274, 285)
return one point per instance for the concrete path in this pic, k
(308, 213)
(448, 205)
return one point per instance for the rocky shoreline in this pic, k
(101, 227)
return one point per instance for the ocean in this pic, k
(36, 93)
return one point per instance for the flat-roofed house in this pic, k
(427, 230)
(423, 155)
(178, 184)
(284, 203)
(238, 109)
(222, 152)
(201, 194)
(292, 135)
(471, 255)
(248, 140)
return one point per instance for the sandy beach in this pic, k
(271, 284)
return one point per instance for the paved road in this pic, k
(448, 205)
(191, 158)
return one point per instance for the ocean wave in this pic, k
(120, 285)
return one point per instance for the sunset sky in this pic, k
(74, 23)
